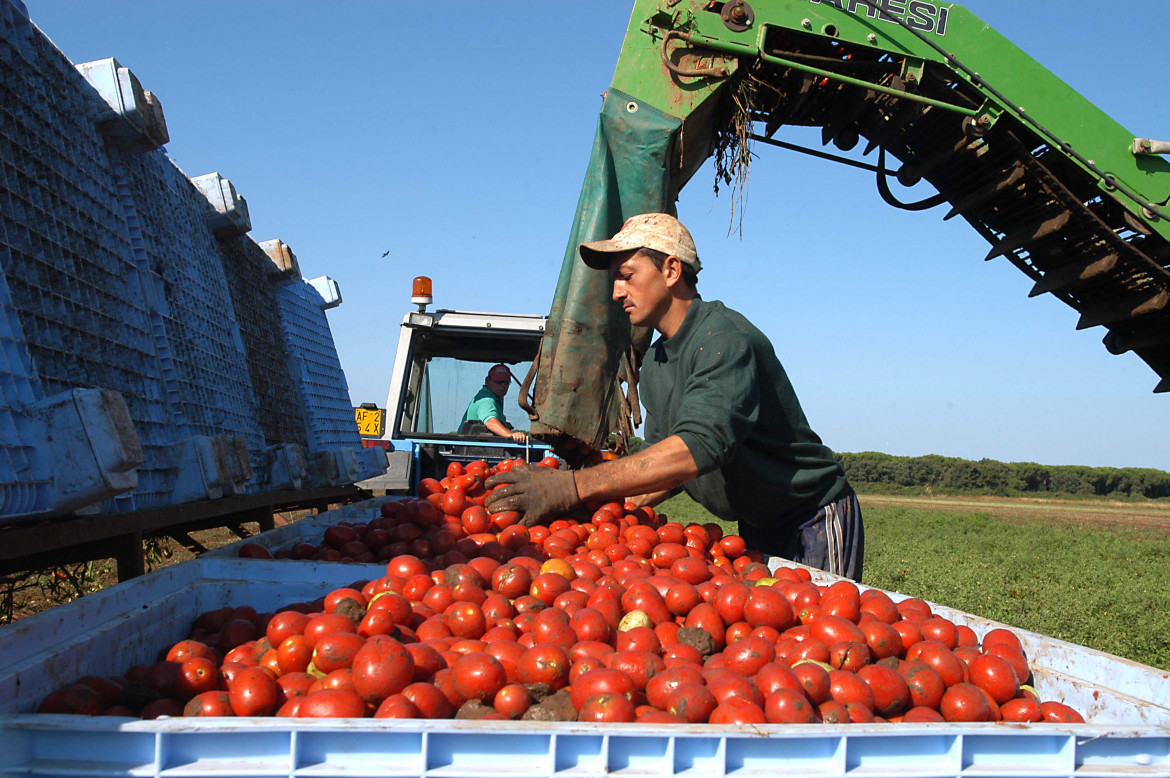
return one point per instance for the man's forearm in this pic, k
(659, 468)
(497, 427)
(653, 498)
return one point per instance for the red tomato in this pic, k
(749, 655)
(765, 606)
(598, 682)
(891, 695)
(785, 706)
(693, 703)
(381, 667)
(253, 693)
(1021, 709)
(965, 702)
(512, 700)
(216, 703)
(924, 683)
(431, 702)
(815, 681)
(995, 676)
(1058, 712)
(846, 687)
(336, 651)
(546, 663)
(610, 708)
(479, 676)
(737, 710)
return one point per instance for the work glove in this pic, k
(535, 492)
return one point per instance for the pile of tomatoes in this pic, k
(621, 617)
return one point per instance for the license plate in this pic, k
(371, 422)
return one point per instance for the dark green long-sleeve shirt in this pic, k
(718, 385)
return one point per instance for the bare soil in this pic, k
(1150, 518)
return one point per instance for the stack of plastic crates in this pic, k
(66, 250)
(21, 491)
(205, 365)
(255, 306)
(334, 446)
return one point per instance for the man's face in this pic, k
(498, 388)
(640, 287)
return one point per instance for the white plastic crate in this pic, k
(107, 632)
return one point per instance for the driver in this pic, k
(487, 408)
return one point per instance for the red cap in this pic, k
(500, 373)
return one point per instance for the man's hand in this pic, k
(536, 492)
(518, 436)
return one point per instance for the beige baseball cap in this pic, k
(658, 231)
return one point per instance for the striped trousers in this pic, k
(833, 539)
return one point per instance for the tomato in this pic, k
(921, 715)
(846, 687)
(942, 659)
(285, 624)
(381, 667)
(785, 706)
(599, 682)
(608, 707)
(189, 649)
(881, 607)
(478, 676)
(738, 711)
(547, 663)
(161, 707)
(396, 706)
(430, 702)
(663, 684)
(704, 616)
(512, 700)
(908, 633)
(75, 698)
(834, 629)
(1058, 712)
(327, 624)
(197, 676)
(833, 712)
(748, 656)
(253, 693)
(765, 606)
(942, 630)
(814, 679)
(336, 651)
(1013, 657)
(693, 703)
(891, 694)
(883, 640)
(1021, 710)
(212, 703)
(641, 666)
(334, 599)
(725, 685)
(965, 702)
(995, 676)
(849, 656)
(925, 685)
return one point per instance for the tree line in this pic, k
(990, 476)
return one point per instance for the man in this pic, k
(721, 416)
(487, 408)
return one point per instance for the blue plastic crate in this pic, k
(313, 362)
(254, 302)
(107, 632)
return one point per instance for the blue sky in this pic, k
(455, 136)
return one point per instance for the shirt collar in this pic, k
(682, 334)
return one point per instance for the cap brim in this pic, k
(599, 254)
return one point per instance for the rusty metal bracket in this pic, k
(1143, 147)
(719, 72)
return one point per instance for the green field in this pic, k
(1096, 576)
